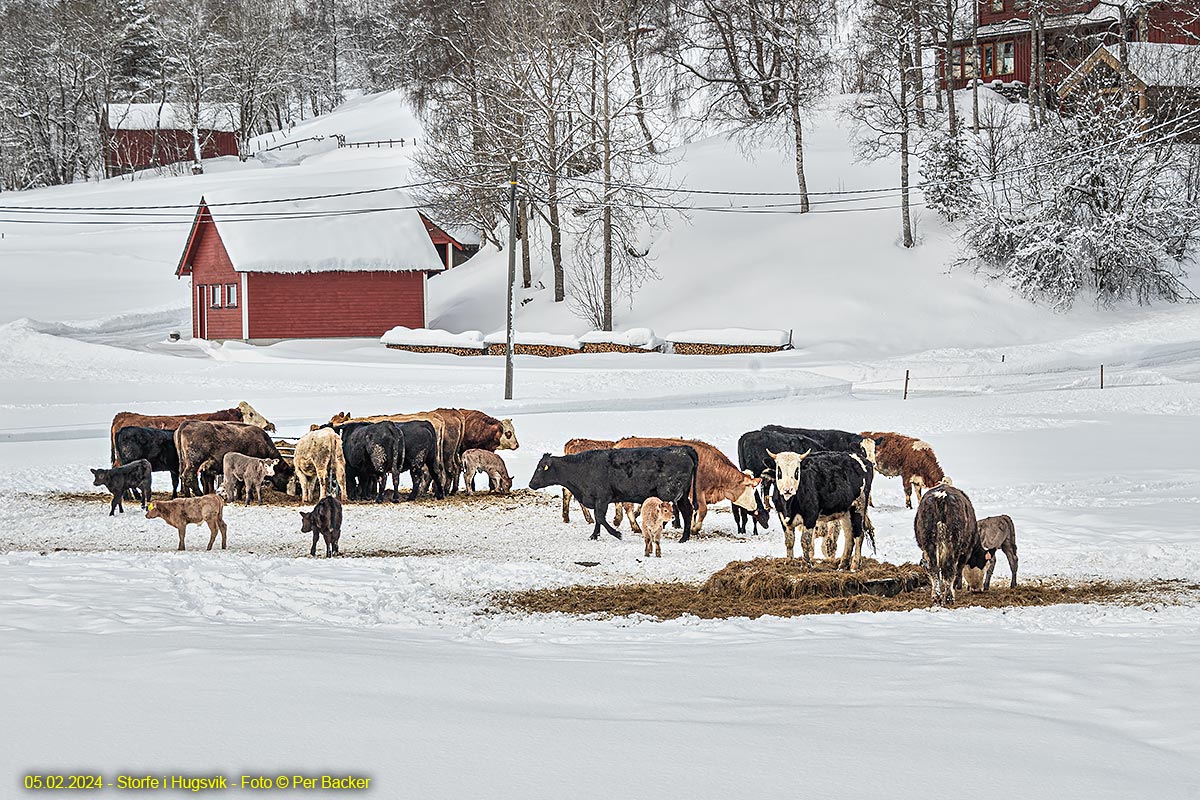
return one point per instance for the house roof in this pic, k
(377, 232)
(1149, 64)
(171, 116)
(1099, 14)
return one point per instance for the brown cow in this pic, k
(911, 459)
(199, 442)
(995, 533)
(948, 536)
(452, 444)
(164, 422)
(717, 479)
(572, 447)
(192, 511)
(481, 432)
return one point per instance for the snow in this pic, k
(634, 337)
(171, 116)
(433, 338)
(126, 655)
(375, 232)
(742, 336)
(534, 338)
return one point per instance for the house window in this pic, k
(1008, 58)
(231, 295)
(989, 59)
(214, 296)
(997, 5)
(956, 68)
(970, 64)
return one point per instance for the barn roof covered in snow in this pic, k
(171, 116)
(376, 232)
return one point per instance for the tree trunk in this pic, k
(937, 85)
(947, 62)
(639, 104)
(556, 262)
(904, 134)
(975, 67)
(1033, 68)
(801, 183)
(526, 275)
(607, 321)
(918, 77)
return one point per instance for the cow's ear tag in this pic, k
(150, 507)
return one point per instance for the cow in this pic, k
(572, 447)
(154, 445)
(995, 533)
(443, 457)
(486, 461)
(598, 478)
(198, 441)
(911, 459)
(815, 487)
(318, 460)
(833, 441)
(373, 451)
(655, 514)
(244, 412)
(948, 536)
(482, 432)
(754, 448)
(248, 473)
(452, 451)
(325, 520)
(134, 477)
(186, 511)
(717, 479)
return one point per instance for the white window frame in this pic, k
(231, 295)
(214, 295)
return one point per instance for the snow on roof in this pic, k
(1100, 13)
(1161, 64)
(376, 232)
(171, 116)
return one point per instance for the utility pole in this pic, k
(512, 275)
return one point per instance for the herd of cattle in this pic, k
(818, 481)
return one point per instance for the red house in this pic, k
(335, 267)
(141, 135)
(1072, 31)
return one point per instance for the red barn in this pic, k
(141, 135)
(1072, 31)
(335, 267)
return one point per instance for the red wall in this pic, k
(126, 150)
(211, 267)
(333, 304)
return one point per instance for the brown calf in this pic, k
(995, 533)
(477, 461)
(911, 459)
(186, 511)
(655, 514)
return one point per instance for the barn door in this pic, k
(202, 312)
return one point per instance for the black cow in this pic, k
(155, 445)
(754, 449)
(822, 486)
(948, 535)
(598, 478)
(133, 477)
(325, 520)
(832, 440)
(373, 450)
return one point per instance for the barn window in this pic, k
(214, 296)
(231, 295)
(1008, 58)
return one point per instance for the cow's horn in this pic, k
(805, 454)
(772, 455)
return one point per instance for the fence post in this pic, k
(1101, 376)
(905, 384)
(1001, 358)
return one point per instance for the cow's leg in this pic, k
(619, 513)
(858, 522)
(908, 490)
(658, 542)
(601, 511)
(789, 540)
(1010, 552)
(599, 518)
(990, 558)
(174, 484)
(112, 507)
(806, 545)
(649, 539)
(181, 529)
(212, 527)
(224, 529)
(684, 505)
(701, 512)
(468, 486)
(313, 550)
(739, 519)
(566, 503)
(630, 514)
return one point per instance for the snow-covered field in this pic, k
(119, 654)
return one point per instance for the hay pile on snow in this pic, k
(778, 579)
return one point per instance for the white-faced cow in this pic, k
(814, 487)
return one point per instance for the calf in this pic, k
(911, 459)
(822, 487)
(153, 444)
(198, 441)
(247, 471)
(599, 478)
(948, 536)
(325, 520)
(572, 447)
(133, 477)
(995, 533)
(655, 514)
(477, 461)
(186, 511)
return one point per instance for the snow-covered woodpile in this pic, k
(723, 341)
(636, 340)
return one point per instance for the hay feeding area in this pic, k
(776, 587)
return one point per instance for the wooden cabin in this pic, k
(328, 268)
(1072, 32)
(142, 135)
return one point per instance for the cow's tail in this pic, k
(695, 487)
(944, 547)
